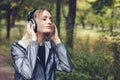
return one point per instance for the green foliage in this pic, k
(99, 45)
(89, 67)
(96, 65)
(115, 68)
(98, 5)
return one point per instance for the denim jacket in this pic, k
(27, 64)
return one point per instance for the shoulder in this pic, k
(18, 45)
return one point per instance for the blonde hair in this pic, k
(26, 36)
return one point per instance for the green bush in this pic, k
(96, 65)
(115, 68)
(89, 67)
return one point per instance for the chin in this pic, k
(48, 31)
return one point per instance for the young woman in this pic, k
(34, 57)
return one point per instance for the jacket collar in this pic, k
(47, 49)
(22, 44)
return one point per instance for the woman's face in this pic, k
(45, 22)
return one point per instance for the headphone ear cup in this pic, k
(34, 25)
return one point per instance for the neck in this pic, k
(40, 39)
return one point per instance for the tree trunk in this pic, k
(83, 24)
(14, 12)
(8, 23)
(102, 25)
(0, 16)
(58, 15)
(111, 30)
(70, 21)
(92, 26)
(82, 21)
(111, 26)
(13, 15)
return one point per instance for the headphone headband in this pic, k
(30, 14)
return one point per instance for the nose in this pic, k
(49, 21)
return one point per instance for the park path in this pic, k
(6, 71)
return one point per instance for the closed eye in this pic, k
(51, 19)
(44, 19)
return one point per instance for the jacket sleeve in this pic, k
(62, 60)
(24, 60)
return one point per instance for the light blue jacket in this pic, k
(27, 64)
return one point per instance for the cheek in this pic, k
(42, 29)
(39, 28)
(40, 25)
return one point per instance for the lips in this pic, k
(49, 27)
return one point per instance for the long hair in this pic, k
(26, 36)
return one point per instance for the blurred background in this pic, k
(90, 29)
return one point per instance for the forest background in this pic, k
(90, 29)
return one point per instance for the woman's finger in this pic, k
(29, 30)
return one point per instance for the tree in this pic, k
(100, 7)
(58, 6)
(19, 9)
(70, 21)
(83, 7)
(11, 11)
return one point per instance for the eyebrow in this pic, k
(47, 16)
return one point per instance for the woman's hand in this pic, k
(54, 35)
(29, 33)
